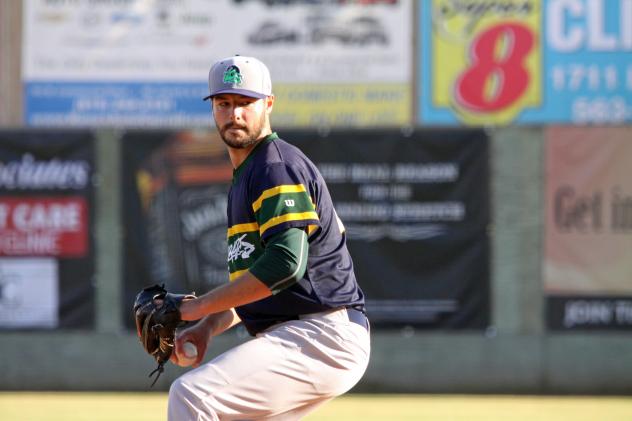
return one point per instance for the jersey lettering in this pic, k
(240, 249)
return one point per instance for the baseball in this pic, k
(190, 350)
(189, 354)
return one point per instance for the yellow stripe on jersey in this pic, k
(285, 218)
(287, 188)
(239, 228)
(341, 226)
(235, 275)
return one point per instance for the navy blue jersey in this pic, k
(277, 187)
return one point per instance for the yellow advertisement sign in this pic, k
(486, 58)
(335, 105)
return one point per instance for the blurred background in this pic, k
(479, 153)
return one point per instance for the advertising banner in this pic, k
(588, 236)
(145, 63)
(43, 226)
(175, 187)
(415, 207)
(46, 221)
(416, 211)
(29, 293)
(525, 62)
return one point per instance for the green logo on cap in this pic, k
(233, 76)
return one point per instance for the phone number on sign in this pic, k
(601, 110)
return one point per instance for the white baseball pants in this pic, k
(284, 373)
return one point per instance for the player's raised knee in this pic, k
(186, 401)
(179, 390)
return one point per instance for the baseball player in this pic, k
(292, 280)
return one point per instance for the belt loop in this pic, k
(358, 317)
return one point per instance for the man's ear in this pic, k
(269, 101)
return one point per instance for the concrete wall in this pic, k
(516, 355)
(10, 45)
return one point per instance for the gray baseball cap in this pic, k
(239, 75)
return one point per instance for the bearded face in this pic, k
(241, 135)
(241, 120)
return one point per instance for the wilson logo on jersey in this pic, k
(240, 249)
(289, 202)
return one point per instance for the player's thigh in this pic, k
(296, 365)
(335, 352)
(296, 413)
(258, 378)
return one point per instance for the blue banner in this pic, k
(527, 62)
(588, 56)
(82, 104)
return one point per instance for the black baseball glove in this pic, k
(157, 314)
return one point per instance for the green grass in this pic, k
(32, 406)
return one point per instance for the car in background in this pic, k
(361, 30)
(271, 33)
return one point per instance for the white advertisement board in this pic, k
(29, 295)
(145, 62)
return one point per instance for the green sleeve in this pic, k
(283, 261)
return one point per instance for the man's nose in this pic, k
(235, 113)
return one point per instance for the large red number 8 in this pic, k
(510, 78)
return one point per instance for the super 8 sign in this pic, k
(481, 62)
(525, 61)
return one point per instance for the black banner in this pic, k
(46, 226)
(174, 194)
(589, 312)
(416, 209)
(415, 206)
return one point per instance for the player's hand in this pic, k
(199, 334)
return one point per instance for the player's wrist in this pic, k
(189, 309)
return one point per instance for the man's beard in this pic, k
(250, 139)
